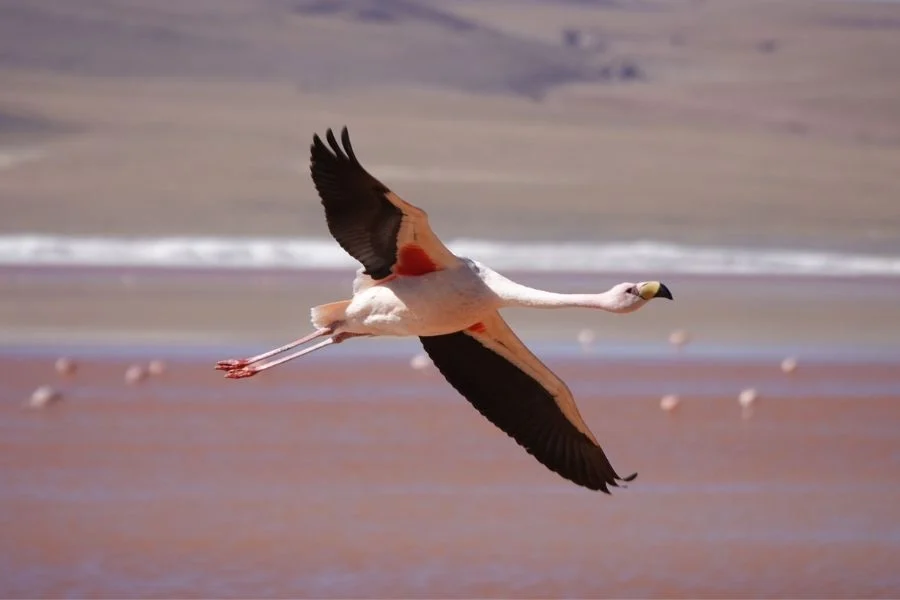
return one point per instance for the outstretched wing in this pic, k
(506, 383)
(373, 224)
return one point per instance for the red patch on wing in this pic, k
(478, 328)
(412, 260)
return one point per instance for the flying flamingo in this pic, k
(410, 284)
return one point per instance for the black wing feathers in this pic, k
(520, 406)
(359, 215)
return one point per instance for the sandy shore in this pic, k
(310, 482)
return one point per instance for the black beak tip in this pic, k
(664, 292)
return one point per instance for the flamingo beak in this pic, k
(654, 289)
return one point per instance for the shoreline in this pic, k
(33, 251)
(39, 272)
(245, 307)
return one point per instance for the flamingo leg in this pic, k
(253, 369)
(238, 363)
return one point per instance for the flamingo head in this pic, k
(628, 297)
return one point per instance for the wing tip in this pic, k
(318, 151)
(348, 147)
(329, 136)
(333, 149)
(316, 143)
(613, 481)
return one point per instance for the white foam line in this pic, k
(305, 253)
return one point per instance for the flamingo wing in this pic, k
(515, 391)
(388, 235)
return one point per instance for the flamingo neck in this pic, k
(513, 294)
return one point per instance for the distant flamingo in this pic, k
(747, 399)
(789, 365)
(43, 397)
(412, 285)
(669, 402)
(66, 366)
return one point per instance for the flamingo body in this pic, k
(435, 303)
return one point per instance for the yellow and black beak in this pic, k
(654, 289)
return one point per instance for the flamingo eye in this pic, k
(632, 290)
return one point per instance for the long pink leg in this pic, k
(237, 363)
(251, 370)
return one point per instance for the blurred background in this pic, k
(156, 203)
(628, 138)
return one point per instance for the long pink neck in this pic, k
(514, 294)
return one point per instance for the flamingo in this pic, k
(411, 284)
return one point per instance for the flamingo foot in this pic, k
(241, 373)
(231, 364)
